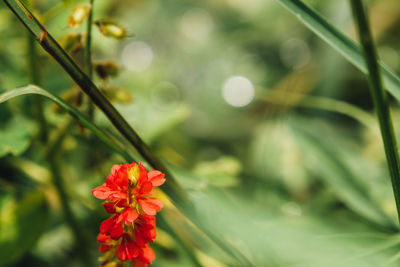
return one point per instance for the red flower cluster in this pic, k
(126, 235)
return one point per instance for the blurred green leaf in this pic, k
(270, 239)
(331, 165)
(15, 136)
(21, 224)
(222, 172)
(340, 42)
(31, 89)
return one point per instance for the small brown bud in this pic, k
(72, 42)
(79, 14)
(106, 69)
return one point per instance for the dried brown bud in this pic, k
(106, 69)
(117, 94)
(72, 42)
(79, 14)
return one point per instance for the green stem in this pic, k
(81, 241)
(178, 196)
(35, 79)
(339, 41)
(379, 97)
(88, 54)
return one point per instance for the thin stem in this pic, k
(379, 97)
(35, 79)
(81, 241)
(88, 54)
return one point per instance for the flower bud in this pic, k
(106, 69)
(111, 29)
(79, 14)
(133, 174)
(72, 42)
(116, 93)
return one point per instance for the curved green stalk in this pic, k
(103, 136)
(379, 97)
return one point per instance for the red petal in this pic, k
(141, 241)
(101, 238)
(143, 174)
(145, 188)
(116, 231)
(156, 178)
(101, 192)
(115, 169)
(130, 215)
(104, 248)
(110, 207)
(105, 225)
(148, 255)
(121, 251)
(132, 249)
(139, 263)
(150, 206)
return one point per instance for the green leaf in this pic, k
(269, 239)
(15, 136)
(222, 172)
(21, 224)
(332, 165)
(339, 41)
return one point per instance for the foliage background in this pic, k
(279, 181)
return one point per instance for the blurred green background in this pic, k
(269, 129)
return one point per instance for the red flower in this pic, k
(129, 185)
(128, 193)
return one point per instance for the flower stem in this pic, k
(379, 97)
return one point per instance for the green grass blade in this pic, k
(31, 89)
(339, 41)
(379, 97)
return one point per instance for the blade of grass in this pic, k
(379, 97)
(339, 41)
(178, 196)
(31, 89)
